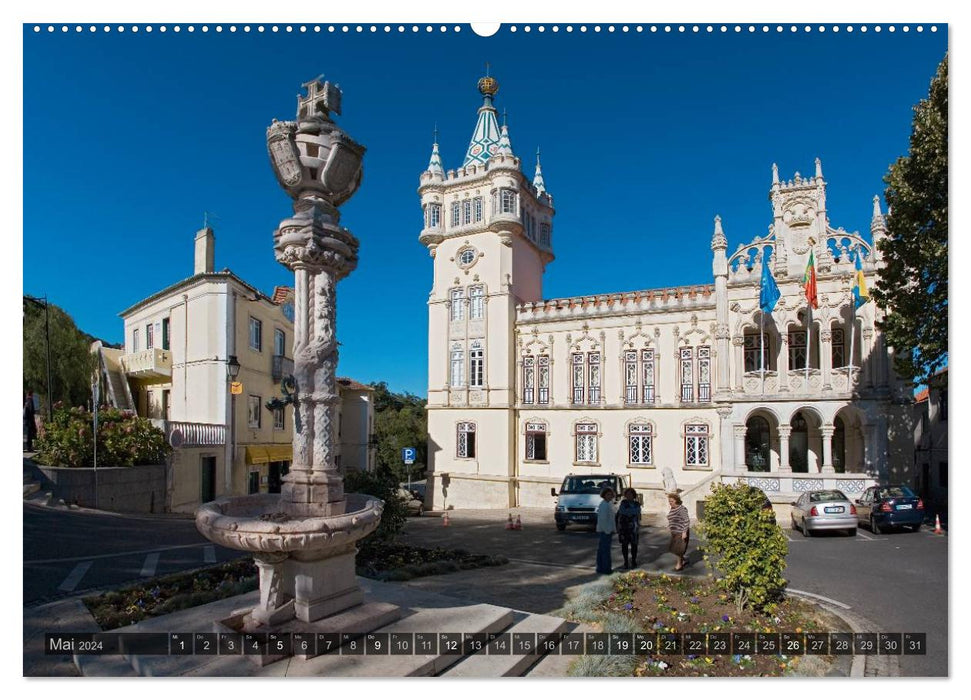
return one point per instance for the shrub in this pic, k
(124, 439)
(382, 484)
(749, 549)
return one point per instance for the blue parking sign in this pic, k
(408, 455)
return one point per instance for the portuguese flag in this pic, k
(809, 282)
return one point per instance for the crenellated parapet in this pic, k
(621, 304)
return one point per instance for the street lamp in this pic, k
(232, 371)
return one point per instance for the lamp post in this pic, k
(232, 371)
(47, 338)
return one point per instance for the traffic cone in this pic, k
(937, 525)
(509, 523)
(445, 522)
(519, 523)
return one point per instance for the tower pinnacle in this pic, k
(718, 239)
(435, 162)
(538, 181)
(485, 138)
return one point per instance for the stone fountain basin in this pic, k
(236, 523)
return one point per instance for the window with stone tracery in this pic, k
(704, 373)
(696, 445)
(544, 234)
(578, 376)
(529, 379)
(687, 375)
(465, 441)
(476, 305)
(586, 442)
(640, 443)
(507, 201)
(647, 374)
(543, 361)
(476, 365)
(536, 442)
(456, 213)
(457, 367)
(797, 350)
(630, 376)
(457, 311)
(467, 211)
(433, 213)
(757, 346)
(477, 209)
(593, 373)
(838, 352)
(639, 376)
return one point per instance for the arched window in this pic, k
(758, 346)
(799, 444)
(757, 437)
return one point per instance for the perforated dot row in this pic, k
(386, 28)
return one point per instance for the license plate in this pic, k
(905, 506)
(834, 509)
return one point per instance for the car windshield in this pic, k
(587, 484)
(823, 496)
(895, 492)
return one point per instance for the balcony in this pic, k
(186, 434)
(153, 364)
(280, 367)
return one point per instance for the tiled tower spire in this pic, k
(486, 137)
(538, 181)
(435, 162)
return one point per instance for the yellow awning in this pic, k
(263, 454)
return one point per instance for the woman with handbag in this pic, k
(679, 522)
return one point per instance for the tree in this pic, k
(913, 286)
(71, 360)
(399, 422)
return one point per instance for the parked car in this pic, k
(766, 503)
(414, 504)
(823, 510)
(884, 507)
(579, 496)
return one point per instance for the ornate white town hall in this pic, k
(523, 390)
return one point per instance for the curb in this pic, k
(861, 665)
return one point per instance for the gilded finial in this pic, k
(488, 85)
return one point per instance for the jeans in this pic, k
(603, 553)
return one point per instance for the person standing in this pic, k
(679, 522)
(629, 526)
(605, 528)
(30, 425)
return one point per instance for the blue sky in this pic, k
(129, 138)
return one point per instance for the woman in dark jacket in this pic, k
(628, 526)
(679, 522)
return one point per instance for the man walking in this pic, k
(606, 529)
(30, 426)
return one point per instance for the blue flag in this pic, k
(768, 290)
(861, 294)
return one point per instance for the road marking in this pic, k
(865, 536)
(112, 556)
(151, 563)
(74, 578)
(786, 533)
(209, 554)
(821, 597)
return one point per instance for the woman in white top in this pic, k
(606, 528)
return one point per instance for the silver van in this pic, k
(579, 495)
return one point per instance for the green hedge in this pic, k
(744, 544)
(124, 440)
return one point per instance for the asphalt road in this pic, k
(898, 581)
(70, 551)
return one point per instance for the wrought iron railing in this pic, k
(188, 434)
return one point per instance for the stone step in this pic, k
(114, 666)
(558, 665)
(477, 618)
(485, 665)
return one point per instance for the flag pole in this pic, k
(762, 346)
(849, 376)
(809, 340)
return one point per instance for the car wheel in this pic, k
(792, 520)
(806, 532)
(421, 511)
(561, 526)
(851, 532)
(915, 528)
(874, 528)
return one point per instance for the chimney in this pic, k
(205, 259)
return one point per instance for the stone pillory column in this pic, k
(319, 166)
(303, 539)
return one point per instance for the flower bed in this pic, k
(167, 594)
(643, 603)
